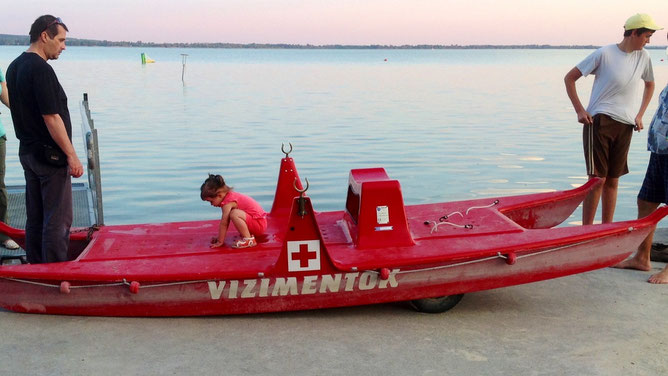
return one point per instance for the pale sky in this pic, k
(396, 22)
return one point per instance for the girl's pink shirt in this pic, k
(245, 203)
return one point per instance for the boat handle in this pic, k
(302, 201)
(283, 149)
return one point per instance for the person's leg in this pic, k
(641, 260)
(619, 141)
(57, 206)
(609, 199)
(34, 214)
(590, 203)
(238, 217)
(595, 145)
(4, 201)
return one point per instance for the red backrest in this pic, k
(375, 205)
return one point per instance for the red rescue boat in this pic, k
(376, 250)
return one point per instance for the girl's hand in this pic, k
(216, 244)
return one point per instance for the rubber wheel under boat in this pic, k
(436, 305)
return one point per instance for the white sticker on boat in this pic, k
(303, 255)
(382, 215)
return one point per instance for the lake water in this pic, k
(449, 124)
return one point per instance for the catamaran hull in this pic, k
(313, 291)
(375, 251)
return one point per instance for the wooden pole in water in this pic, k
(183, 70)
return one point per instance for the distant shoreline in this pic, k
(23, 40)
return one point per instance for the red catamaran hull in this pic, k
(375, 251)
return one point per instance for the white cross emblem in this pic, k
(303, 255)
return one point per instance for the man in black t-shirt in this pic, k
(42, 124)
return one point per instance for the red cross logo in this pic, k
(303, 255)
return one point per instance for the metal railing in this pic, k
(93, 161)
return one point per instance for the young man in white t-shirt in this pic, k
(611, 116)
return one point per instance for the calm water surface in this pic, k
(449, 124)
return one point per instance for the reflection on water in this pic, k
(450, 125)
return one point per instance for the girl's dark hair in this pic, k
(211, 185)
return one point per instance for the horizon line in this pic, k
(14, 40)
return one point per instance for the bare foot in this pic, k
(660, 277)
(632, 263)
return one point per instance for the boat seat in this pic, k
(375, 211)
(360, 175)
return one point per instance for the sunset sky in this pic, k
(395, 22)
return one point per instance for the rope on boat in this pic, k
(498, 256)
(40, 283)
(558, 248)
(123, 283)
(447, 266)
(435, 226)
(175, 283)
(445, 217)
(443, 220)
(482, 207)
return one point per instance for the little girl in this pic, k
(246, 214)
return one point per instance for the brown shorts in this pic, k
(606, 146)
